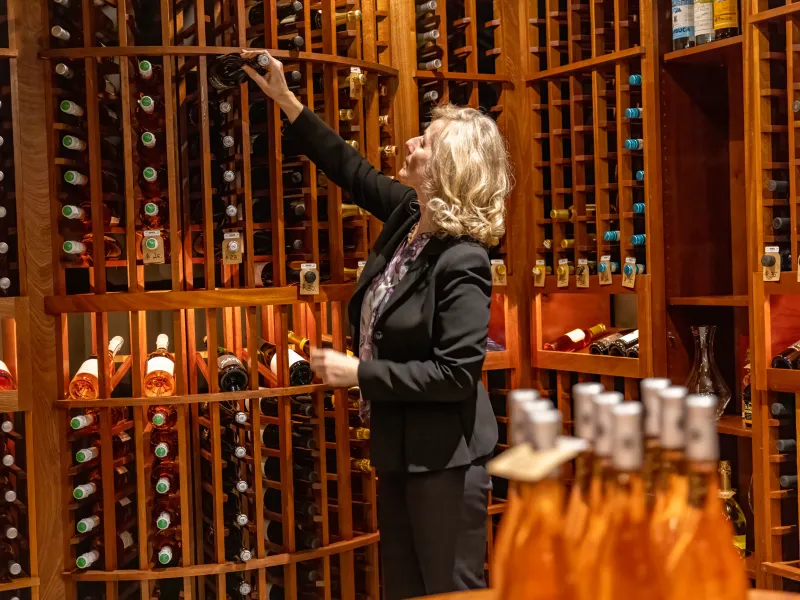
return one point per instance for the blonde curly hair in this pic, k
(468, 176)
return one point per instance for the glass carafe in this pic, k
(705, 378)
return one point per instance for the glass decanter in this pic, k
(705, 378)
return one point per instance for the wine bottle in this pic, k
(149, 112)
(233, 376)
(781, 224)
(788, 482)
(167, 547)
(122, 444)
(305, 508)
(122, 478)
(225, 72)
(424, 8)
(155, 213)
(575, 339)
(165, 442)
(165, 477)
(159, 379)
(782, 408)
(162, 416)
(788, 358)
(430, 65)
(85, 384)
(621, 345)
(638, 239)
(271, 467)
(340, 18)
(777, 186)
(83, 214)
(633, 113)
(299, 368)
(84, 249)
(302, 437)
(294, 43)
(634, 144)
(633, 351)
(9, 560)
(96, 553)
(273, 533)
(429, 36)
(7, 490)
(682, 24)
(150, 76)
(788, 445)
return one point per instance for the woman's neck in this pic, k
(425, 224)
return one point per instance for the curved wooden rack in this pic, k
(312, 57)
(275, 560)
(218, 298)
(458, 76)
(194, 398)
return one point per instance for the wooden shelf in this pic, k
(734, 425)
(588, 64)
(583, 362)
(717, 52)
(708, 301)
(498, 360)
(783, 380)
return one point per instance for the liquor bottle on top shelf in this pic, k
(575, 339)
(788, 358)
(159, 379)
(703, 21)
(299, 368)
(84, 249)
(305, 540)
(85, 385)
(225, 72)
(121, 444)
(96, 553)
(682, 24)
(726, 19)
(621, 345)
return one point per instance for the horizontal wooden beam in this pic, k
(579, 362)
(773, 13)
(456, 76)
(219, 298)
(590, 64)
(284, 55)
(616, 287)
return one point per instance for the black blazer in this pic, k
(430, 409)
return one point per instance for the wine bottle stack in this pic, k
(9, 255)
(666, 501)
(592, 195)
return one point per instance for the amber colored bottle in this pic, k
(159, 379)
(629, 566)
(162, 416)
(7, 382)
(671, 486)
(575, 339)
(541, 529)
(577, 513)
(588, 554)
(704, 562)
(85, 385)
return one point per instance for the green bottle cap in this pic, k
(78, 493)
(162, 487)
(163, 521)
(68, 247)
(162, 450)
(150, 174)
(146, 102)
(165, 555)
(148, 139)
(65, 105)
(68, 140)
(70, 177)
(81, 562)
(150, 209)
(151, 244)
(82, 456)
(158, 419)
(76, 423)
(145, 67)
(83, 526)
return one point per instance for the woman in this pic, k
(420, 318)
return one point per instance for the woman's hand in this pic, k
(334, 368)
(273, 84)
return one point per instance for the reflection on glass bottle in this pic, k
(731, 509)
(705, 378)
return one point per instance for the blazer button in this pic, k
(378, 336)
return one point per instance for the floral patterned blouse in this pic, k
(378, 294)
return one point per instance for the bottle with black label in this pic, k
(789, 358)
(624, 343)
(299, 367)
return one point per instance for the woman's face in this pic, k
(415, 166)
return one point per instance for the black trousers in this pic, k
(433, 530)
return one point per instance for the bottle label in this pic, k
(4, 367)
(682, 19)
(576, 335)
(703, 17)
(629, 338)
(267, 523)
(293, 358)
(726, 14)
(127, 539)
(226, 360)
(124, 437)
(124, 501)
(160, 363)
(88, 367)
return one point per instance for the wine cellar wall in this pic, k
(168, 272)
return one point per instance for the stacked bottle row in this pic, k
(646, 493)
(698, 22)
(242, 190)
(779, 232)
(575, 39)
(9, 257)
(293, 26)
(457, 37)
(591, 164)
(15, 536)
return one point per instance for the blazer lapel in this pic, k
(419, 268)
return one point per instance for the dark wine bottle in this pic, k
(602, 344)
(302, 471)
(273, 532)
(294, 43)
(779, 409)
(226, 71)
(302, 437)
(621, 345)
(786, 445)
(233, 376)
(272, 501)
(781, 224)
(788, 481)
(777, 187)
(789, 358)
